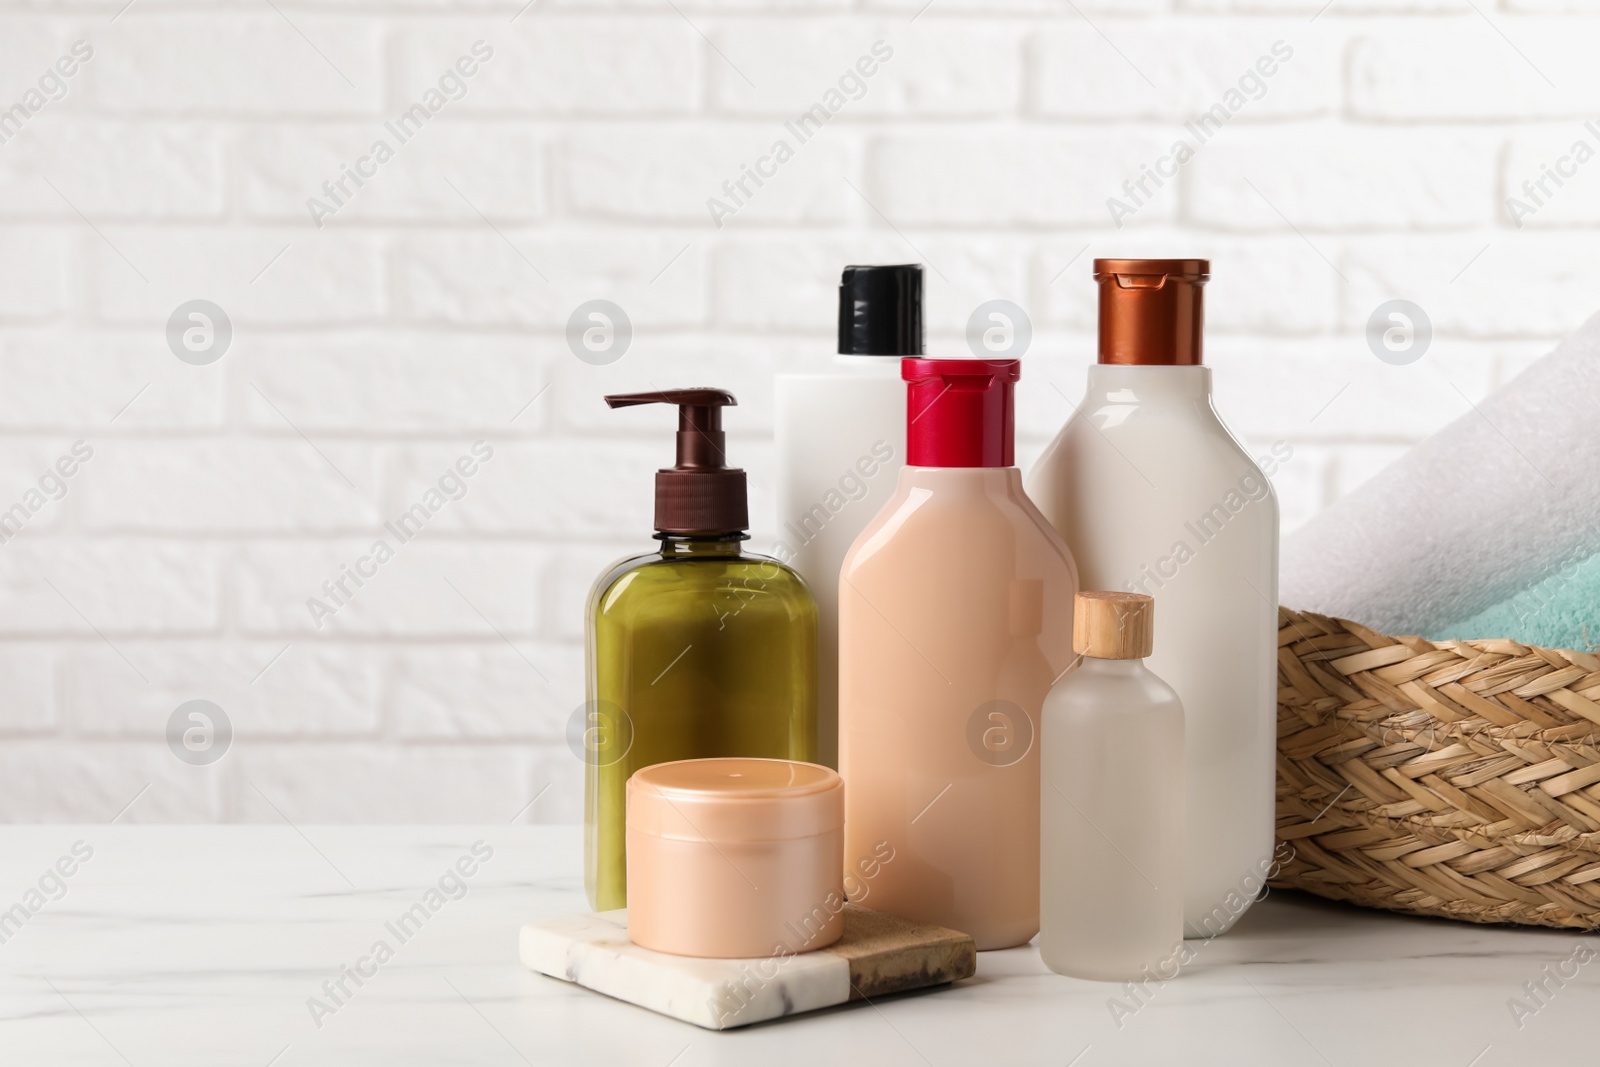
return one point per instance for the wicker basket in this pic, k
(1453, 778)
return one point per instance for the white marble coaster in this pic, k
(877, 954)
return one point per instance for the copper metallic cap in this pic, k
(1151, 311)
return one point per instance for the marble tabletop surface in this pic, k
(229, 945)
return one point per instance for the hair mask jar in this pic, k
(735, 858)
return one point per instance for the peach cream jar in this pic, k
(735, 858)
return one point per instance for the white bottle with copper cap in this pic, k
(1111, 803)
(1155, 496)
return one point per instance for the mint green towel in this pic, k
(1561, 610)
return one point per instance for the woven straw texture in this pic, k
(1454, 778)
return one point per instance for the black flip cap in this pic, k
(880, 310)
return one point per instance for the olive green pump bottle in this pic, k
(698, 650)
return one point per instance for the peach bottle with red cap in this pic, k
(699, 649)
(1155, 496)
(955, 616)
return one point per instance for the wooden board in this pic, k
(888, 954)
(879, 954)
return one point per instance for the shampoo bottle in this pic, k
(840, 445)
(697, 650)
(1111, 803)
(1155, 496)
(955, 617)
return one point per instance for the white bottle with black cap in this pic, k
(841, 444)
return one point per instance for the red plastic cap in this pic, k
(959, 412)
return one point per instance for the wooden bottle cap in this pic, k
(1113, 625)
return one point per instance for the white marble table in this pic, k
(202, 945)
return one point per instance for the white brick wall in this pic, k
(371, 352)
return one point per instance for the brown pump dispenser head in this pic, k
(700, 494)
(1151, 313)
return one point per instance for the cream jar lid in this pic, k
(733, 801)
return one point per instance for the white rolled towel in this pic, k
(1479, 511)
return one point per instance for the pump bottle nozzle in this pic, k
(700, 494)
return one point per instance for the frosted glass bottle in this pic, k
(1111, 814)
(1195, 524)
(840, 436)
(955, 617)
